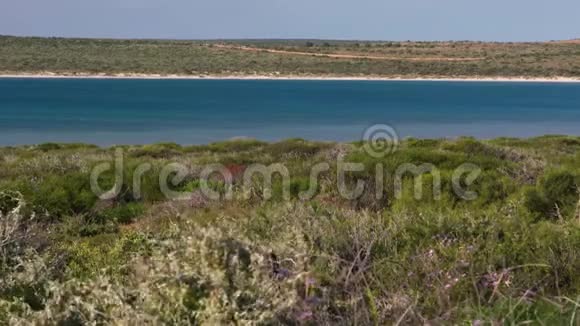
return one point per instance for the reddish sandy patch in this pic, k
(576, 41)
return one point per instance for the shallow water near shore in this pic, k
(119, 111)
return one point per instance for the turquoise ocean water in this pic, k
(115, 111)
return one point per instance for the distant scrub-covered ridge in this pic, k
(19, 55)
(510, 256)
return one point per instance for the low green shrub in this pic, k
(9, 200)
(48, 147)
(55, 197)
(123, 213)
(161, 151)
(294, 148)
(556, 195)
(230, 146)
(94, 229)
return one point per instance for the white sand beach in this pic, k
(292, 77)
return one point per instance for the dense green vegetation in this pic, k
(510, 256)
(406, 59)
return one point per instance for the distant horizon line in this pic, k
(280, 39)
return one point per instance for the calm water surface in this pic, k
(108, 111)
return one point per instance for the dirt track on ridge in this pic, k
(341, 56)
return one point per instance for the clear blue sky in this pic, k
(501, 20)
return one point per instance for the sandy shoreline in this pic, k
(290, 77)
